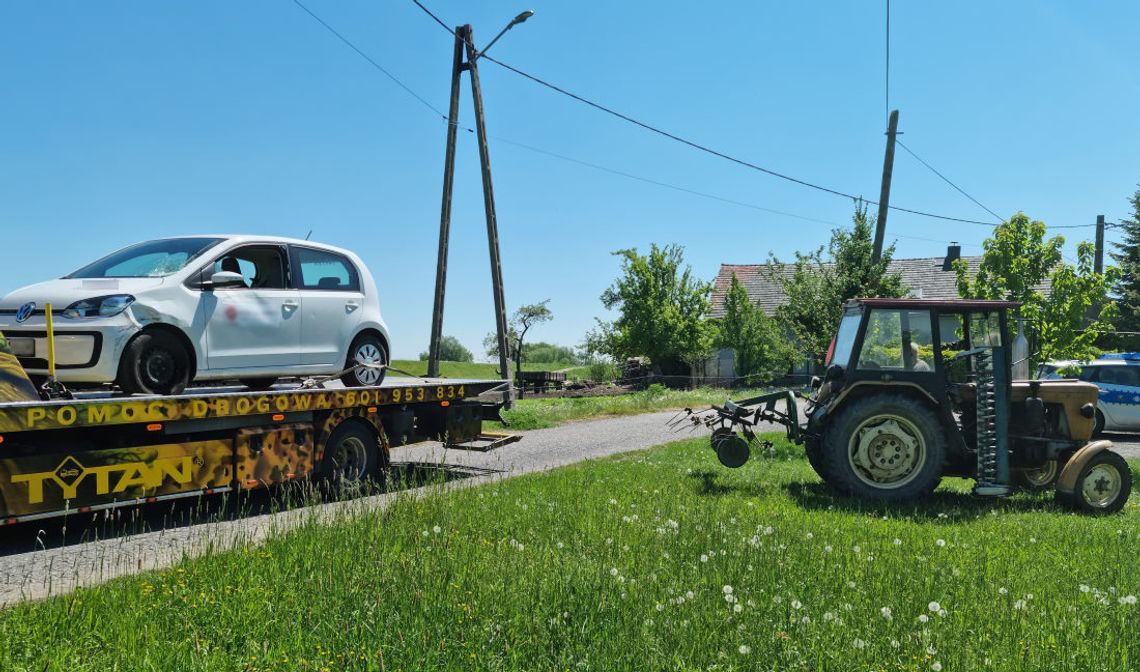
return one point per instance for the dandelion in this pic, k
(1032, 540)
(613, 571)
(934, 606)
(1002, 590)
(1029, 596)
(437, 529)
(856, 549)
(727, 590)
(1085, 588)
(796, 604)
(690, 595)
(559, 544)
(1127, 599)
(942, 613)
(704, 558)
(936, 666)
(809, 535)
(738, 607)
(744, 649)
(895, 644)
(897, 541)
(922, 618)
(425, 533)
(660, 607)
(805, 620)
(940, 543)
(828, 616)
(885, 612)
(850, 584)
(858, 643)
(827, 549)
(730, 598)
(930, 650)
(1019, 605)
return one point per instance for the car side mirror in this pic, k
(224, 280)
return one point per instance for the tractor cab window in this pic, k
(900, 340)
(985, 330)
(845, 339)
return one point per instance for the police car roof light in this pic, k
(1129, 356)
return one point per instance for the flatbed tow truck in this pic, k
(96, 451)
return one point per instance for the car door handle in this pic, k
(290, 305)
(350, 306)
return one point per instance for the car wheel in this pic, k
(155, 362)
(258, 384)
(366, 349)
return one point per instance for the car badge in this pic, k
(25, 311)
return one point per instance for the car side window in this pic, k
(261, 266)
(1090, 374)
(322, 270)
(1120, 375)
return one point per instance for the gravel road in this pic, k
(29, 570)
(34, 565)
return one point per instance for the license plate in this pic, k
(23, 347)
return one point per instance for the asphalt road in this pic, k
(54, 557)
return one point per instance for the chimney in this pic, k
(953, 252)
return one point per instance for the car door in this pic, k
(332, 303)
(1119, 395)
(258, 325)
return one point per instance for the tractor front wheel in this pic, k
(886, 446)
(1102, 486)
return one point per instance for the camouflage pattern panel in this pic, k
(269, 455)
(14, 383)
(133, 410)
(333, 419)
(54, 481)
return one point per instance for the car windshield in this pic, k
(152, 259)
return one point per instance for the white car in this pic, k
(157, 315)
(1117, 375)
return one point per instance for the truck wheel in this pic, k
(154, 362)
(351, 454)
(887, 447)
(367, 349)
(1039, 479)
(1103, 485)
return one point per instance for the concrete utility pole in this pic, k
(1098, 265)
(885, 190)
(465, 44)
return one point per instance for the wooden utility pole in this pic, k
(464, 42)
(445, 208)
(1098, 265)
(885, 190)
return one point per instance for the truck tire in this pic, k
(370, 349)
(887, 447)
(351, 455)
(814, 450)
(154, 362)
(1103, 485)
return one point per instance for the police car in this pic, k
(1118, 377)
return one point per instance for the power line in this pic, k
(368, 58)
(945, 179)
(433, 16)
(719, 154)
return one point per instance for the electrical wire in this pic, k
(368, 58)
(433, 16)
(945, 179)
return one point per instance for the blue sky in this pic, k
(129, 120)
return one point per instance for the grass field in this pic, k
(481, 370)
(539, 412)
(659, 560)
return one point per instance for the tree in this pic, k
(450, 350)
(523, 319)
(815, 290)
(761, 349)
(1127, 286)
(1019, 263)
(549, 352)
(661, 312)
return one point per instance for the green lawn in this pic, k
(480, 370)
(540, 412)
(659, 560)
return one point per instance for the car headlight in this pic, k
(100, 306)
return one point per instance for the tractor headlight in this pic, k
(100, 306)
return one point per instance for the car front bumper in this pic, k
(86, 351)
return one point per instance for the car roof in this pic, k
(249, 238)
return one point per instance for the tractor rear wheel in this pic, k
(886, 446)
(814, 450)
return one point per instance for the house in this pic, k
(927, 278)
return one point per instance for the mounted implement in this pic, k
(919, 389)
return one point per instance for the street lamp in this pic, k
(521, 18)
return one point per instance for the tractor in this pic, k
(918, 389)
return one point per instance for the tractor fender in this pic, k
(1067, 481)
(864, 385)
